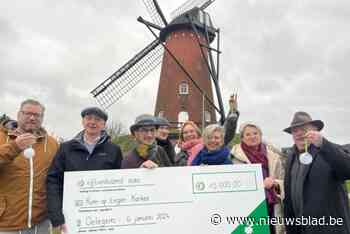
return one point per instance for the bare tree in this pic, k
(114, 129)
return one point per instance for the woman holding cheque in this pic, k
(253, 150)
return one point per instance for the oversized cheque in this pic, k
(186, 200)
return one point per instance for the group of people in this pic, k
(32, 165)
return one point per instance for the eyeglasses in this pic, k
(93, 117)
(163, 127)
(146, 130)
(28, 114)
(302, 129)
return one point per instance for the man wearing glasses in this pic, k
(26, 152)
(146, 153)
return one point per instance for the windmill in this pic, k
(188, 68)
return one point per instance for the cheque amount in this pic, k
(236, 181)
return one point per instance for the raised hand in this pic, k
(233, 102)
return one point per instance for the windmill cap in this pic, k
(142, 121)
(94, 111)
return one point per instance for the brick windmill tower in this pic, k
(188, 69)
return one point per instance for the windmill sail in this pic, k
(152, 11)
(124, 79)
(202, 4)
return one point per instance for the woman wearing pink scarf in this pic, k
(190, 144)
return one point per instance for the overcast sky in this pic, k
(281, 55)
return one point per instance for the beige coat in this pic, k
(276, 170)
(23, 181)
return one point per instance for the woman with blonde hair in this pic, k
(214, 151)
(191, 142)
(253, 150)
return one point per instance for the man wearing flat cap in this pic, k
(90, 149)
(146, 153)
(314, 182)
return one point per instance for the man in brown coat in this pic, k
(26, 152)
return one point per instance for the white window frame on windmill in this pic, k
(207, 116)
(182, 117)
(161, 114)
(183, 88)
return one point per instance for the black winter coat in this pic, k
(168, 147)
(324, 192)
(73, 156)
